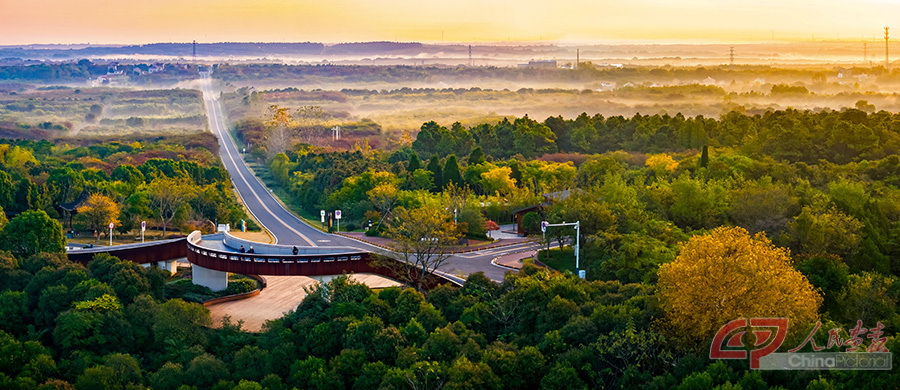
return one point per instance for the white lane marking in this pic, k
(218, 127)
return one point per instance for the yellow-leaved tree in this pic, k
(728, 274)
(98, 211)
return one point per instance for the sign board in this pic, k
(223, 227)
(322, 215)
(143, 225)
(337, 214)
(112, 225)
(582, 273)
(544, 226)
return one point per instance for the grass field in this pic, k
(558, 259)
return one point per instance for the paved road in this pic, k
(290, 230)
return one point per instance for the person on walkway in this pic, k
(242, 250)
(251, 250)
(296, 251)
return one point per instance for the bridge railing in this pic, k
(326, 257)
(275, 249)
(282, 259)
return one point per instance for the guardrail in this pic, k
(142, 252)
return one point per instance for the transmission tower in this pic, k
(194, 50)
(731, 56)
(470, 56)
(865, 52)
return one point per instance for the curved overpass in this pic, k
(213, 256)
(160, 253)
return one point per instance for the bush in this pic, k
(376, 230)
(531, 222)
(240, 286)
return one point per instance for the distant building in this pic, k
(549, 199)
(542, 64)
(110, 80)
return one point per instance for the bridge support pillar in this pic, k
(168, 265)
(215, 280)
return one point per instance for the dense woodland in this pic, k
(818, 183)
(174, 183)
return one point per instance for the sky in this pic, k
(434, 21)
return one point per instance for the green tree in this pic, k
(129, 174)
(97, 378)
(414, 163)
(434, 165)
(531, 222)
(476, 157)
(464, 374)
(698, 204)
(168, 197)
(828, 274)
(31, 232)
(206, 370)
(421, 236)
(451, 172)
(823, 230)
(169, 377)
(7, 190)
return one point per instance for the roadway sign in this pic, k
(337, 214)
(322, 214)
(544, 226)
(143, 226)
(112, 225)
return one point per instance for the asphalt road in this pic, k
(290, 230)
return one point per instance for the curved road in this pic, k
(290, 230)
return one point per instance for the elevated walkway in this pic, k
(214, 255)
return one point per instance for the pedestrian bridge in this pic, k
(213, 256)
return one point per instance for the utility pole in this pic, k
(887, 38)
(577, 57)
(194, 50)
(470, 56)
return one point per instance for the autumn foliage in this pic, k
(728, 274)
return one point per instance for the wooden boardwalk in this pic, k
(282, 294)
